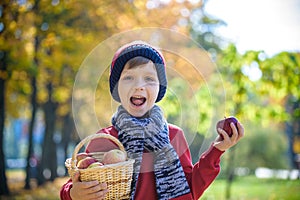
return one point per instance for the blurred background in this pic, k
(256, 50)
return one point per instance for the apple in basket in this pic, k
(95, 164)
(81, 156)
(114, 156)
(84, 163)
(225, 125)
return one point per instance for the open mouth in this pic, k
(138, 100)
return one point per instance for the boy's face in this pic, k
(138, 88)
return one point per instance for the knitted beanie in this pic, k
(129, 51)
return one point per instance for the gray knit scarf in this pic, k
(151, 133)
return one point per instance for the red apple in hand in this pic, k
(225, 125)
(84, 163)
(114, 156)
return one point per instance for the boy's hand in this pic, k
(87, 190)
(238, 133)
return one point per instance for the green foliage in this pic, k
(180, 106)
(282, 72)
(260, 100)
(251, 188)
(206, 110)
(262, 147)
(261, 103)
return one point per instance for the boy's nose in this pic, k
(140, 85)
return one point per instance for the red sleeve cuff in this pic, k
(216, 151)
(212, 154)
(65, 191)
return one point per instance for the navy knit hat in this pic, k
(129, 51)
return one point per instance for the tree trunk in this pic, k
(33, 116)
(4, 53)
(30, 137)
(230, 172)
(3, 76)
(67, 130)
(292, 129)
(48, 167)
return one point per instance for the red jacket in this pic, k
(199, 176)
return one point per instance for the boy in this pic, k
(163, 167)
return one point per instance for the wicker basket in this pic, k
(118, 176)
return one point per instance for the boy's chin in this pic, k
(139, 114)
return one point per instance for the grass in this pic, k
(251, 188)
(244, 188)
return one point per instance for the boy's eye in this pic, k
(150, 79)
(127, 78)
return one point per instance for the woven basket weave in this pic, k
(118, 176)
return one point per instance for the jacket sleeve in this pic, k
(65, 191)
(204, 172)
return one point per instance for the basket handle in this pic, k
(91, 137)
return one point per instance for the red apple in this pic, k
(84, 163)
(114, 156)
(81, 156)
(225, 125)
(95, 164)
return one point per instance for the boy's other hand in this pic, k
(238, 133)
(87, 190)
